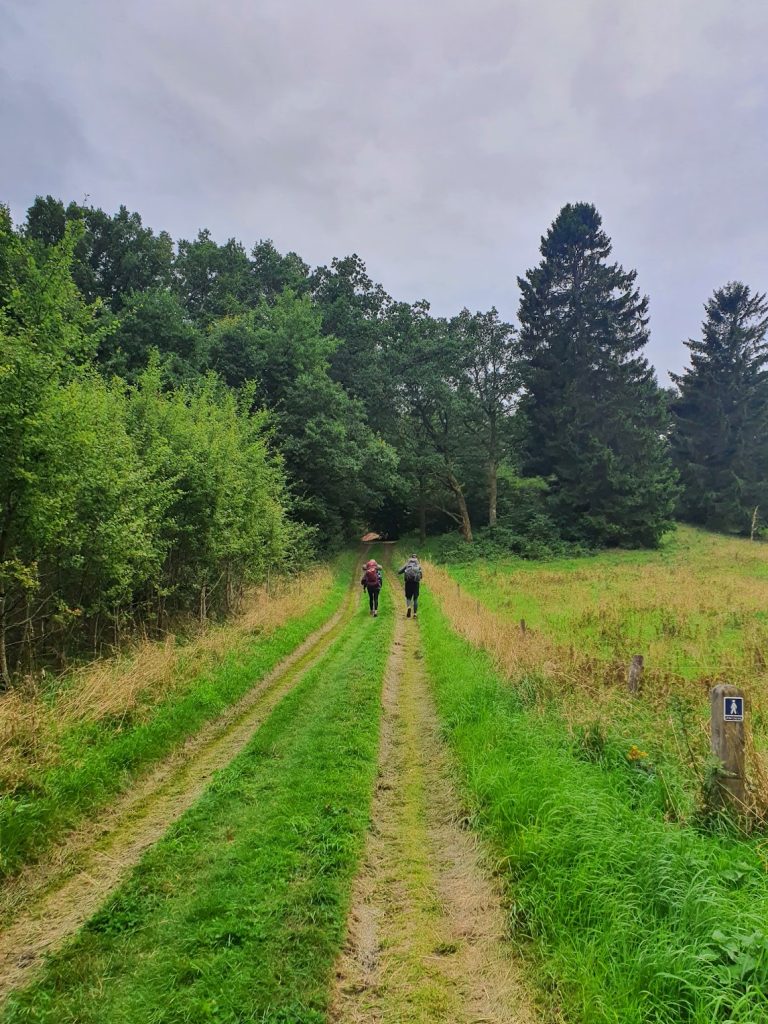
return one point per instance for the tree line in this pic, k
(177, 419)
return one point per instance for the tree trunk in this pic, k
(493, 487)
(5, 676)
(466, 525)
(422, 512)
(461, 501)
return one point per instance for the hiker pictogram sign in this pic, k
(733, 709)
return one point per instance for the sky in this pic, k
(437, 139)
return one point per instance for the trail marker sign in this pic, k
(728, 740)
(733, 709)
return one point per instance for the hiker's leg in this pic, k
(371, 598)
(376, 598)
(415, 598)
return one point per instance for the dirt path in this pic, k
(426, 936)
(51, 900)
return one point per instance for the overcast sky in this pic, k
(435, 138)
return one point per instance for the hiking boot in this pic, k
(376, 613)
(408, 614)
(415, 613)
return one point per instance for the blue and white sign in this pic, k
(733, 709)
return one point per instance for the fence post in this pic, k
(635, 677)
(728, 744)
(523, 626)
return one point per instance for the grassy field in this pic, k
(697, 610)
(697, 607)
(632, 920)
(67, 750)
(272, 848)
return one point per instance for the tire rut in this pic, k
(426, 939)
(57, 896)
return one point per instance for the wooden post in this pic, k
(523, 626)
(728, 743)
(635, 677)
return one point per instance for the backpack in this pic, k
(413, 572)
(372, 578)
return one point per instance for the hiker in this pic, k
(412, 572)
(371, 581)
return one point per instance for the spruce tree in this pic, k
(720, 438)
(595, 416)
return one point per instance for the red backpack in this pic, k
(372, 577)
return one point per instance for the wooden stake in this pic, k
(635, 677)
(523, 626)
(728, 744)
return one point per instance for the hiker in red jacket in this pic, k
(372, 580)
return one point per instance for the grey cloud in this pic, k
(436, 138)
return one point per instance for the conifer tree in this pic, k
(720, 438)
(596, 421)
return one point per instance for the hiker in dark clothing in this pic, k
(412, 572)
(372, 580)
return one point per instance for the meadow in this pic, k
(696, 609)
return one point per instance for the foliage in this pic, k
(720, 440)
(594, 416)
(118, 504)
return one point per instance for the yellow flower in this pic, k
(635, 754)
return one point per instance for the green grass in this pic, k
(238, 913)
(100, 759)
(630, 919)
(695, 607)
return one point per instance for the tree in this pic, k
(425, 359)
(45, 333)
(340, 469)
(720, 438)
(595, 416)
(489, 382)
(354, 311)
(214, 280)
(273, 272)
(114, 255)
(153, 320)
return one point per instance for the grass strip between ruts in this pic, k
(631, 920)
(238, 913)
(100, 760)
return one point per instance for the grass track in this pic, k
(631, 920)
(237, 914)
(99, 761)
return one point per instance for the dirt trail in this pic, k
(426, 936)
(51, 900)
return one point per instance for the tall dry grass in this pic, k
(593, 688)
(34, 715)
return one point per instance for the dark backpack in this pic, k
(413, 572)
(372, 578)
